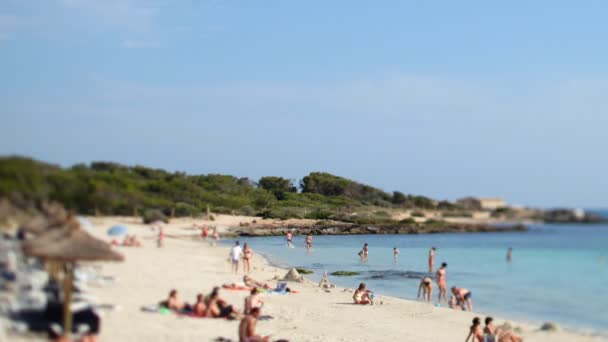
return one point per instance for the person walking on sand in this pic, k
(432, 259)
(509, 254)
(395, 254)
(426, 286)
(247, 254)
(463, 297)
(247, 328)
(442, 283)
(216, 236)
(235, 255)
(289, 237)
(308, 241)
(161, 237)
(204, 232)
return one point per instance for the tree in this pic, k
(278, 186)
(399, 198)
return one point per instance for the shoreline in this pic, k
(506, 317)
(192, 266)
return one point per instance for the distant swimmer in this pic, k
(442, 283)
(426, 287)
(395, 254)
(289, 237)
(509, 254)
(432, 259)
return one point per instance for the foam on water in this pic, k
(559, 272)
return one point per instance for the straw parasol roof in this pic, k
(70, 243)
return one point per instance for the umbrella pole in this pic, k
(67, 299)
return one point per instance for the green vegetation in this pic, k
(344, 273)
(105, 188)
(304, 270)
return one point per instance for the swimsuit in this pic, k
(468, 295)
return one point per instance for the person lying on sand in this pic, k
(426, 286)
(247, 328)
(254, 283)
(253, 301)
(475, 331)
(494, 334)
(219, 308)
(362, 295)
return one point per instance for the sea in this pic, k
(558, 273)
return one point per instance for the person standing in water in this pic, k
(308, 241)
(442, 283)
(509, 254)
(289, 237)
(426, 287)
(432, 259)
(364, 253)
(395, 254)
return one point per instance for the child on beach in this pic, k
(204, 232)
(475, 331)
(216, 236)
(363, 296)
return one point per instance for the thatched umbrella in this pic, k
(69, 244)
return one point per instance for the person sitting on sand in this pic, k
(174, 303)
(217, 307)
(247, 328)
(254, 283)
(253, 301)
(475, 331)
(362, 295)
(463, 296)
(199, 309)
(426, 285)
(493, 334)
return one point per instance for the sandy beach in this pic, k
(192, 266)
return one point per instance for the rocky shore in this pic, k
(343, 228)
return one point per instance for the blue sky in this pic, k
(442, 98)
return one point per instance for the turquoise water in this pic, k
(559, 272)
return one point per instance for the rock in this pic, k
(293, 275)
(345, 273)
(549, 326)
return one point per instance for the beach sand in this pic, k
(192, 266)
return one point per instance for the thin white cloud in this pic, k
(139, 44)
(130, 14)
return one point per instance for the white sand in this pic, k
(191, 266)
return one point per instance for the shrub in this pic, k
(345, 273)
(154, 215)
(304, 271)
(417, 214)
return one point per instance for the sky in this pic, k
(441, 98)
